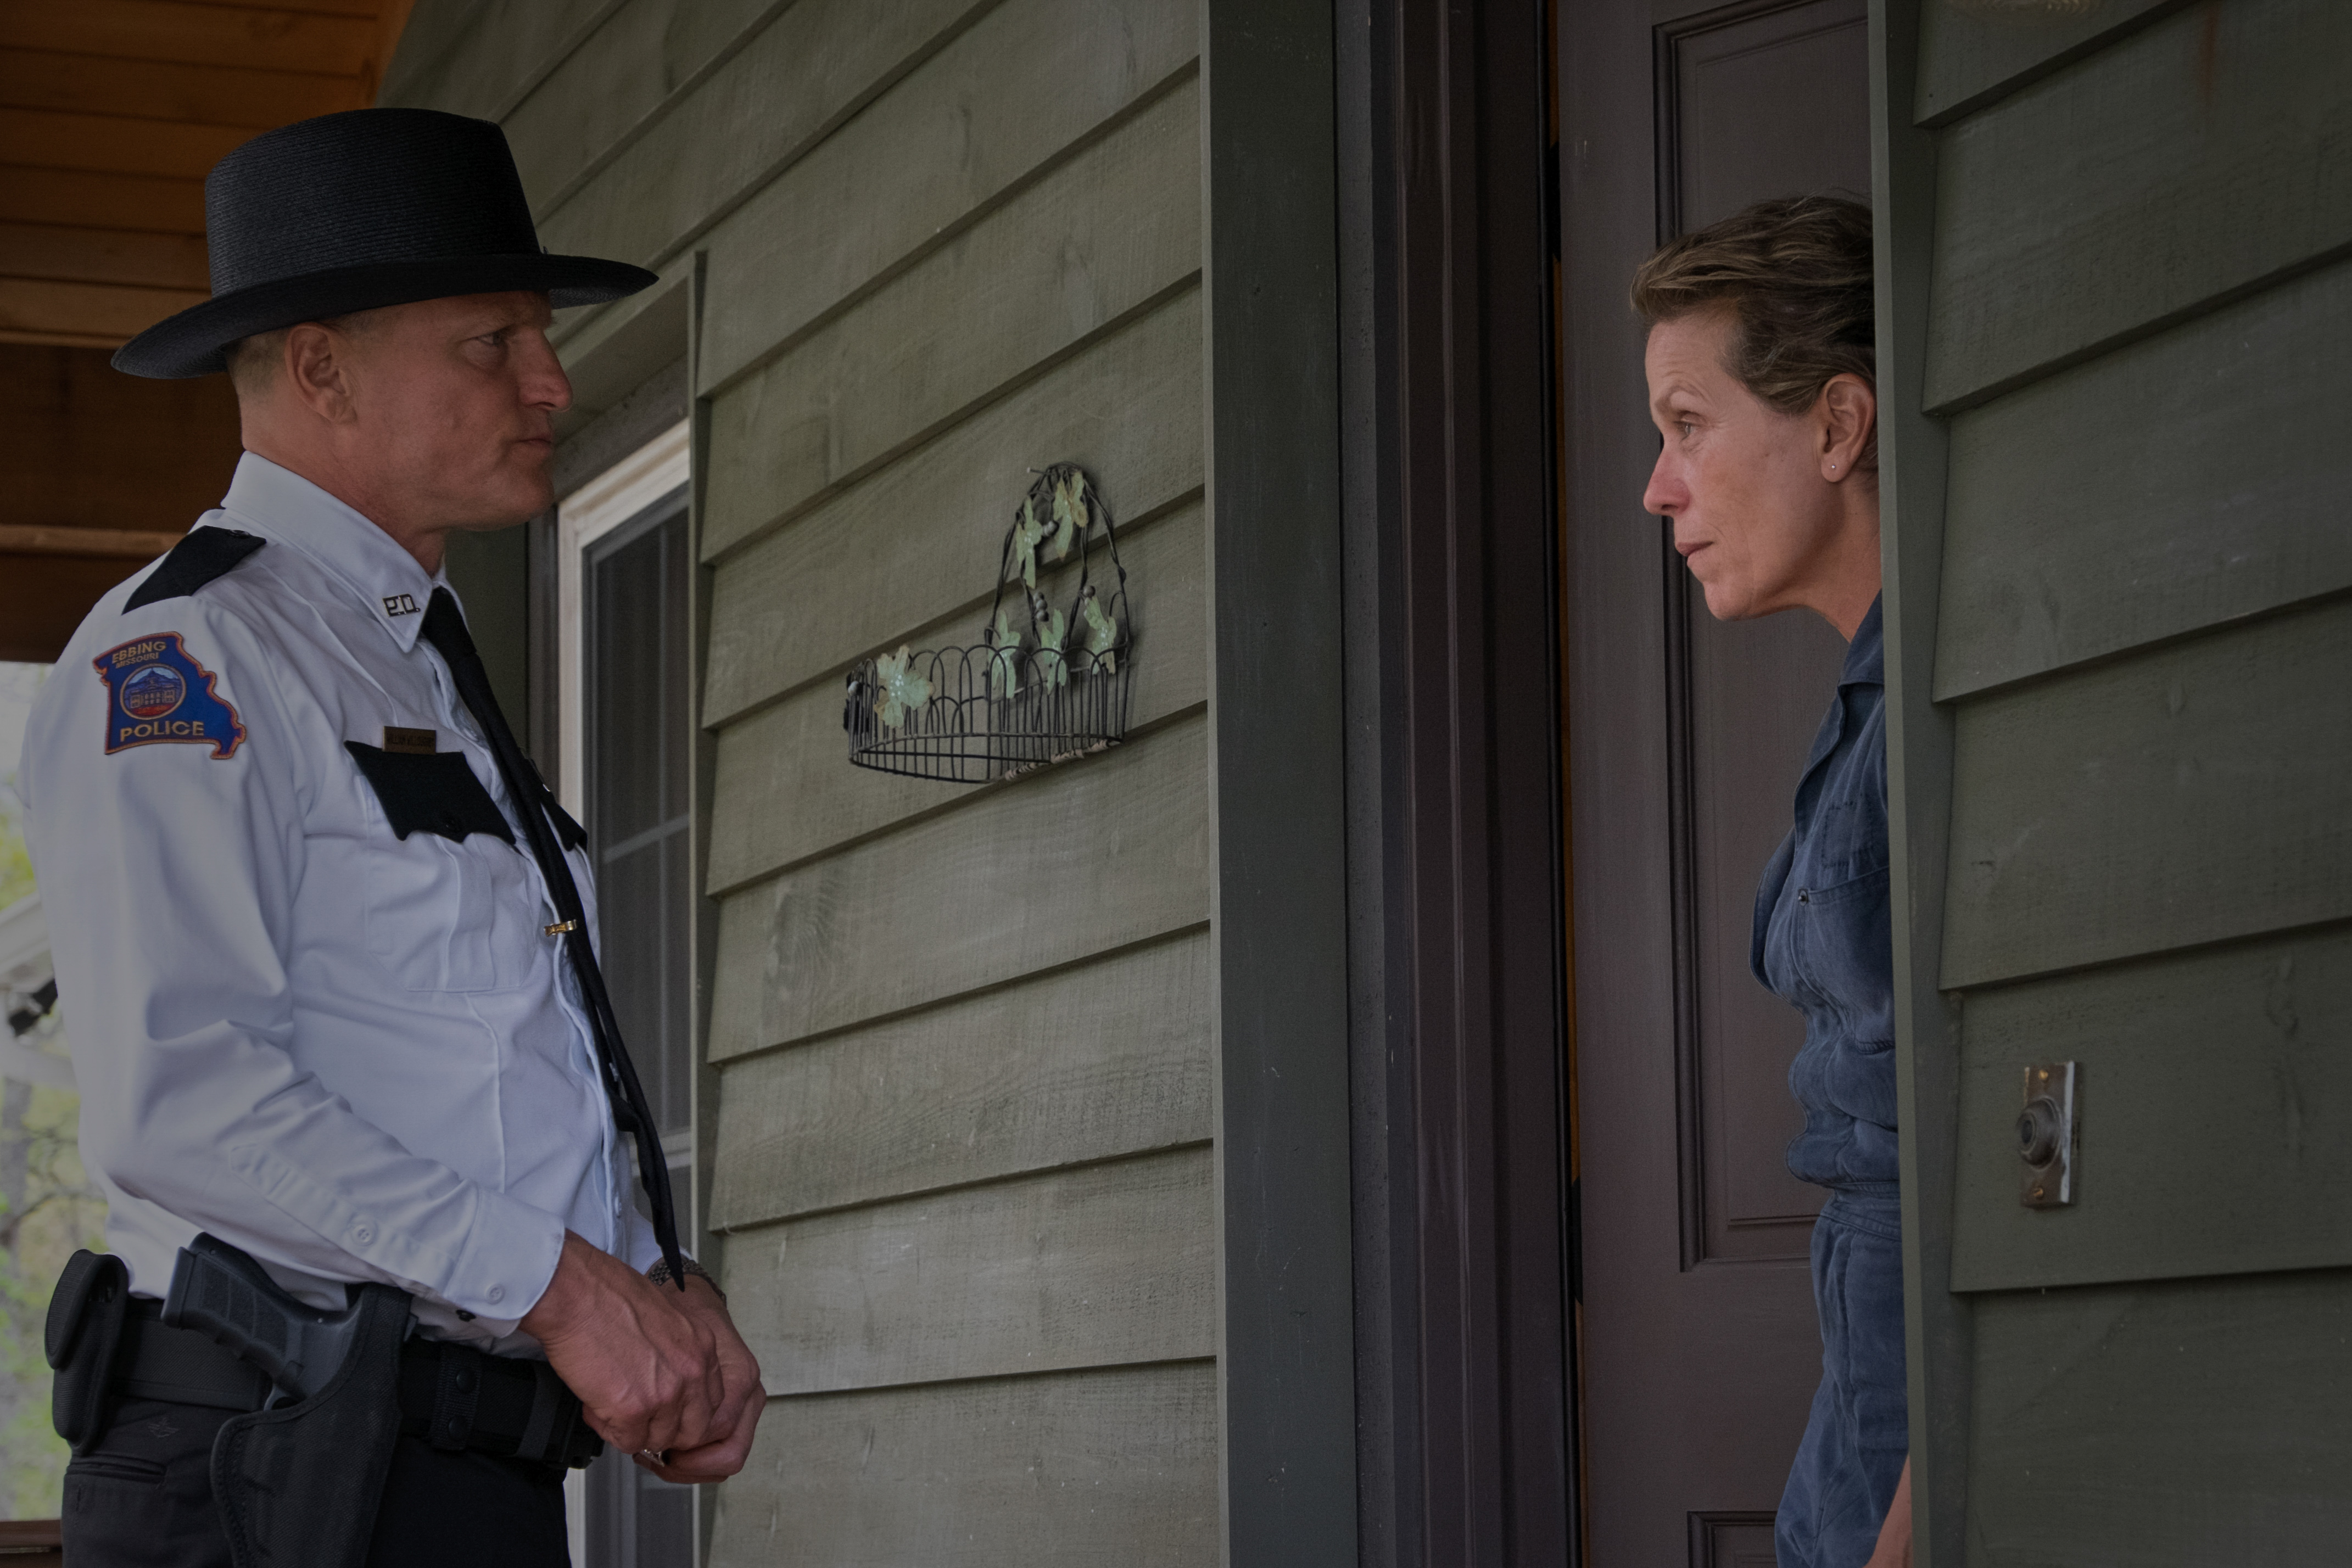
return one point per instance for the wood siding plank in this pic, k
(208, 34)
(1108, 1059)
(1127, 407)
(1106, 1265)
(1972, 57)
(2200, 157)
(2190, 478)
(105, 256)
(83, 199)
(2177, 1426)
(786, 791)
(205, 95)
(1031, 1472)
(1080, 860)
(621, 77)
(781, 94)
(47, 138)
(1106, 234)
(1027, 81)
(105, 312)
(481, 56)
(2230, 1060)
(2195, 793)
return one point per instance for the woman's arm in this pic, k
(1893, 1550)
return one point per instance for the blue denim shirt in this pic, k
(1822, 939)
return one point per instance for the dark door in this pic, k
(1699, 1348)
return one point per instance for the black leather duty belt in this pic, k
(452, 1395)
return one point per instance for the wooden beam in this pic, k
(158, 89)
(195, 34)
(44, 597)
(147, 203)
(50, 139)
(34, 539)
(104, 256)
(105, 312)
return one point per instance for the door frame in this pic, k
(1458, 931)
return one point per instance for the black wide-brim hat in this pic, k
(354, 211)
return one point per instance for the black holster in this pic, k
(81, 1337)
(297, 1486)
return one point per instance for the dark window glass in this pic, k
(638, 726)
(634, 642)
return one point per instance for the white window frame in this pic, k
(583, 518)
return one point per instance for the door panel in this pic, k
(1699, 1346)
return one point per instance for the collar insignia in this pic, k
(399, 604)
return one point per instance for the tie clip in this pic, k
(561, 926)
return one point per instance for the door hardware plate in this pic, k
(2049, 1129)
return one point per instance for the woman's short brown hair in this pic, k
(1796, 274)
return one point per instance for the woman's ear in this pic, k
(1847, 417)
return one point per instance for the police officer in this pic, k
(323, 936)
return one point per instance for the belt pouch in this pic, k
(83, 1332)
(299, 1485)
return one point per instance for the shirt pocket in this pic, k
(449, 904)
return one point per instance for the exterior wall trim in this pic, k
(1278, 890)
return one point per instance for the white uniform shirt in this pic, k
(357, 1057)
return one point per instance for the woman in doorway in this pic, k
(1762, 371)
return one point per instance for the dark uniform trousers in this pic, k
(141, 1497)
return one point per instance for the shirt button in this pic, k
(362, 1233)
(495, 1294)
(1804, 895)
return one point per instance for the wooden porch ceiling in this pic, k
(112, 112)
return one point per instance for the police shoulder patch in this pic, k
(156, 693)
(200, 557)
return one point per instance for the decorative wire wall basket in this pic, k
(1043, 685)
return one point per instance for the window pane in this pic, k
(635, 645)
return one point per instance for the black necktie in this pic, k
(444, 628)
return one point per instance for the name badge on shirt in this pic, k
(410, 742)
(156, 693)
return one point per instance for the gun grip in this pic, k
(222, 1294)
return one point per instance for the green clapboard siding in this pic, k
(2195, 793)
(781, 773)
(1970, 55)
(1106, 234)
(2186, 1426)
(872, 560)
(958, 1119)
(1105, 1265)
(613, 86)
(768, 104)
(1060, 867)
(2192, 478)
(1114, 1468)
(1083, 1064)
(2216, 1106)
(1027, 85)
(2198, 157)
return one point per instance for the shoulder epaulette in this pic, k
(203, 555)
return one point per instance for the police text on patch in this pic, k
(157, 693)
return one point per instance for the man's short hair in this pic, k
(253, 361)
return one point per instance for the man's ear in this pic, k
(1848, 417)
(317, 368)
